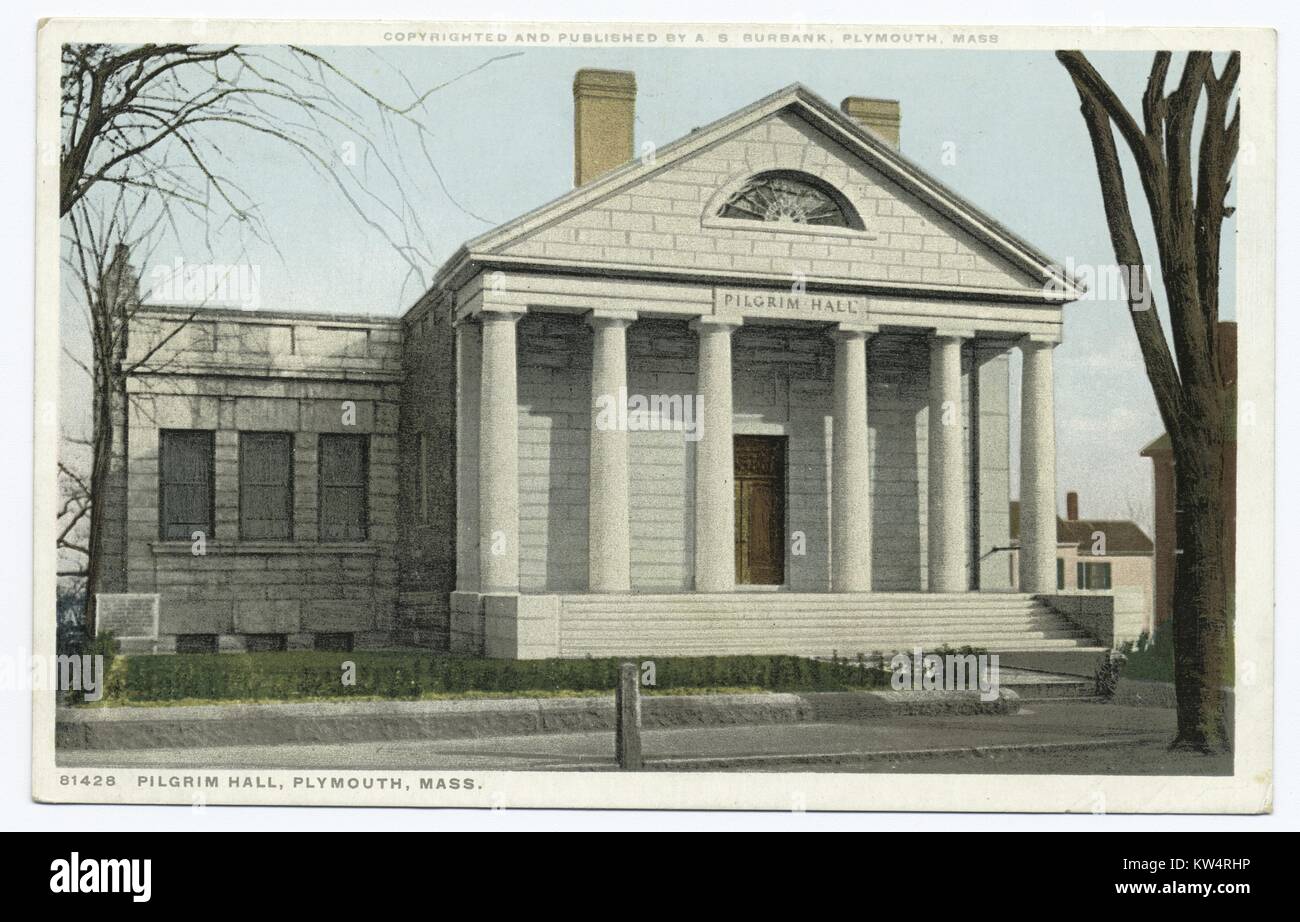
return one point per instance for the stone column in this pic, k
(715, 475)
(1037, 468)
(469, 349)
(946, 491)
(850, 465)
(609, 566)
(498, 456)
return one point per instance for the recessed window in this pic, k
(185, 484)
(785, 197)
(266, 486)
(422, 475)
(196, 643)
(1060, 573)
(333, 642)
(1094, 575)
(266, 643)
(344, 466)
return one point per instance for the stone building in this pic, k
(747, 394)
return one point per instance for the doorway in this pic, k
(760, 509)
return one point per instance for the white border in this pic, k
(1254, 386)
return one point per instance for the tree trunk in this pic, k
(1201, 621)
(100, 465)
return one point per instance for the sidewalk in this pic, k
(1049, 737)
(344, 722)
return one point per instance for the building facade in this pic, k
(749, 393)
(1163, 484)
(1099, 556)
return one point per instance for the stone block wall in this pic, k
(782, 386)
(991, 444)
(668, 220)
(427, 511)
(554, 442)
(229, 372)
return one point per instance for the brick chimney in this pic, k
(879, 116)
(604, 106)
(1072, 506)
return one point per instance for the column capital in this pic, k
(710, 323)
(495, 313)
(608, 315)
(1038, 340)
(952, 333)
(852, 330)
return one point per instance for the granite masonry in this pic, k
(748, 394)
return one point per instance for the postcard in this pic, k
(626, 415)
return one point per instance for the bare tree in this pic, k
(146, 153)
(152, 118)
(1186, 191)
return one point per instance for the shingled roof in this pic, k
(1123, 539)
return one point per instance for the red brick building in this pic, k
(1162, 459)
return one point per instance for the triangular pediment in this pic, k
(666, 213)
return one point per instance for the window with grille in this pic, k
(185, 484)
(344, 465)
(266, 486)
(787, 197)
(196, 643)
(266, 643)
(333, 642)
(1094, 575)
(422, 477)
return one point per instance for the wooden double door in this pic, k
(760, 509)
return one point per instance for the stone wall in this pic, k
(554, 431)
(668, 220)
(782, 386)
(991, 443)
(230, 372)
(427, 511)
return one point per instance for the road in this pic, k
(1051, 737)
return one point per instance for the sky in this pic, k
(1003, 129)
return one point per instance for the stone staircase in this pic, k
(815, 624)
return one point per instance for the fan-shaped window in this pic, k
(790, 198)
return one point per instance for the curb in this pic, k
(900, 755)
(384, 721)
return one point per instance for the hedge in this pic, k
(300, 675)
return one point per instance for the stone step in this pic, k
(799, 600)
(844, 611)
(786, 610)
(1040, 686)
(820, 646)
(813, 624)
(1081, 662)
(855, 619)
(829, 629)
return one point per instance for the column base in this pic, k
(505, 625)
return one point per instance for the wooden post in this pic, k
(627, 728)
